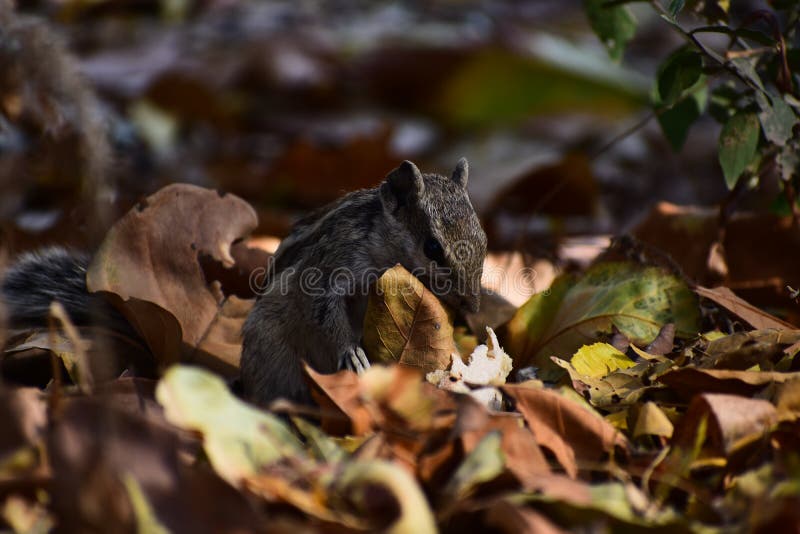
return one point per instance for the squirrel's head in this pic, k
(446, 245)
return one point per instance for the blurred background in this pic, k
(290, 104)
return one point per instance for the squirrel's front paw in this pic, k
(354, 359)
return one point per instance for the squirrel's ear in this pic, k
(461, 173)
(405, 182)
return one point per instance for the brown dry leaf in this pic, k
(513, 518)
(236, 280)
(26, 357)
(24, 416)
(93, 446)
(743, 350)
(338, 396)
(689, 381)
(221, 348)
(761, 250)
(716, 263)
(148, 265)
(574, 433)
(753, 316)
(731, 419)
(409, 413)
(788, 403)
(523, 457)
(406, 323)
(403, 396)
(664, 341)
(136, 396)
(309, 495)
(564, 187)
(309, 170)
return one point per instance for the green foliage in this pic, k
(738, 143)
(678, 74)
(614, 25)
(676, 121)
(498, 87)
(749, 79)
(634, 300)
(777, 118)
(681, 93)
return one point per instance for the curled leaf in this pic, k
(238, 439)
(149, 266)
(368, 485)
(406, 323)
(573, 432)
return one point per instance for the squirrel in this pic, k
(314, 298)
(313, 303)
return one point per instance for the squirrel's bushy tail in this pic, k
(37, 279)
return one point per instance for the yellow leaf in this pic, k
(652, 422)
(599, 359)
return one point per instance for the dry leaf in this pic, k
(651, 421)
(730, 301)
(690, 380)
(731, 418)
(574, 433)
(149, 265)
(524, 458)
(406, 323)
(511, 519)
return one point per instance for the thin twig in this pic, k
(625, 134)
(691, 36)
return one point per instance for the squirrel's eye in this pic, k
(433, 249)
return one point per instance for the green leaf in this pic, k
(614, 25)
(496, 87)
(679, 73)
(675, 7)
(747, 70)
(738, 142)
(777, 119)
(238, 439)
(676, 121)
(486, 462)
(637, 300)
(146, 519)
(681, 86)
(322, 446)
(599, 359)
(722, 102)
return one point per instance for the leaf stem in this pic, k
(690, 35)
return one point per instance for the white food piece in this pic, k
(488, 365)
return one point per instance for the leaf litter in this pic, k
(645, 410)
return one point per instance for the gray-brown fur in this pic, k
(359, 236)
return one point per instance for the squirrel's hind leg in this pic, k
(270, 366)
